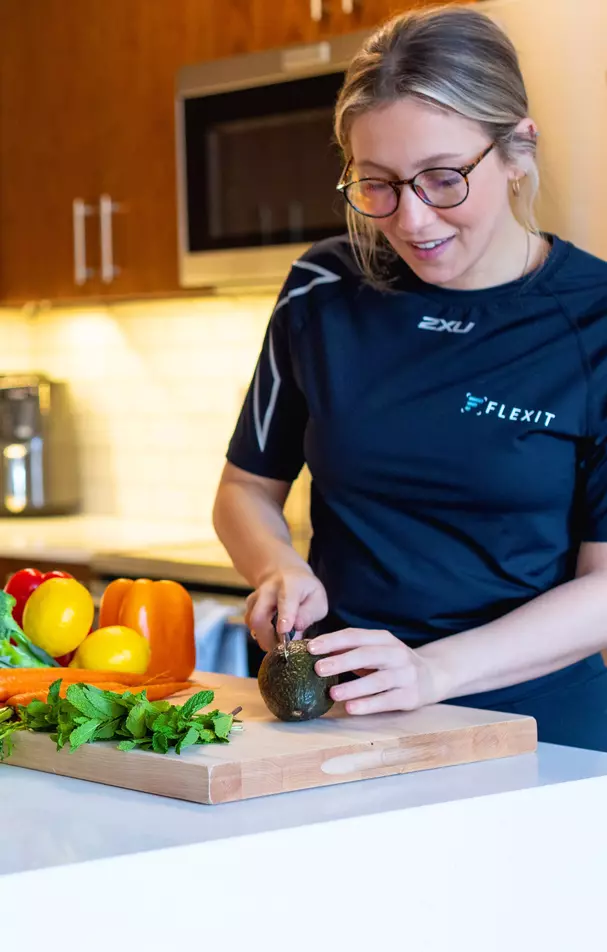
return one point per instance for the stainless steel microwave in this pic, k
(257, 164)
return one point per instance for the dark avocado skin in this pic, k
(290, 686)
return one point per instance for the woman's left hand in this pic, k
(393, 677)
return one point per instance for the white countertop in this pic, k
(57, 820)
(480, 858)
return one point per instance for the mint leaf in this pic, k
(53, 692)
(195, 703)
(35, 715)
(76, 695)
(136, 721)
(205, 735)
(160, 744)
(222, 724)
(169, 724)
(83, 734)
(188, 740)
(108, 729)
(127, 745)
(126, 700)
(91, 701)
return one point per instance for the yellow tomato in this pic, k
(58, 615)
(114, 648)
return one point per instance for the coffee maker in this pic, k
(38, 450)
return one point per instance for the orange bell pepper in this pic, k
(163, 613)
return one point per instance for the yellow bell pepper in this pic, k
(113, 648)
(58, 615)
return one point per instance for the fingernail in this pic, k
(323, 667)
(314, 647)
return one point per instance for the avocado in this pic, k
(290, 686)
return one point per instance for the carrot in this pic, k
(42, 695)
(22, 680)
(154, 692)
(158, 692)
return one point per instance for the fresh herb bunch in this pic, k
(87, 714)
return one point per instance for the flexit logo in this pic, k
(438, 324)
(482, 406)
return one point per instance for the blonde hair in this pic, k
(453, 57)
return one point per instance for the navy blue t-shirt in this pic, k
(456, 439)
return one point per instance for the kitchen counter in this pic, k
(79, 539)
(491, 856)
(202, 562)
(137, 549)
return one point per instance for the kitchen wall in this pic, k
(156, 389)
(15, 338)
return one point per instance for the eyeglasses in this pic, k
(379, 198)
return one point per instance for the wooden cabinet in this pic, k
(286, 24)
(87, 116)
(348, 16)
(87, 112)
(142, 45)
(48, 144)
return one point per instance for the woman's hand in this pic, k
(393, 677)
(298, 597)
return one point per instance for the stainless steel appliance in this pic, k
(38, 451)
(257, 164)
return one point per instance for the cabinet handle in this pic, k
(106, 209)
(316, 10)
(80, 212)
(347, 7)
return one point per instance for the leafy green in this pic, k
(87, 714)
(23, 654)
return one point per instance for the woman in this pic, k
(443, 373)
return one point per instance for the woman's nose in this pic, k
(412, 214)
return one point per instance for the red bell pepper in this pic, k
(23, 583)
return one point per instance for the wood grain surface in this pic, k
(270, 757)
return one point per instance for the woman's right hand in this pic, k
(298, 597)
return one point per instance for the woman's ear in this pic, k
(527, 129)
(524, 139)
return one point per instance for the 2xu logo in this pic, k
(438, 324)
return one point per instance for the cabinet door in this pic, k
(347, 16)
(144, 43)
(287, 23)
(49, 99)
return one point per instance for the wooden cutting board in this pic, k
(270, 756)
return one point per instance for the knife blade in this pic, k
(284, 639)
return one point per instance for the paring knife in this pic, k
(284, 638)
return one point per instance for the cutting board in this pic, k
(270, 756)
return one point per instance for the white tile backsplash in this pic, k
(15, 352)
(156, 390)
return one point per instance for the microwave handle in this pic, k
(80, 212)
(317, 10)
(106, 210)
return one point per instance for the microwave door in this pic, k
(261, 174)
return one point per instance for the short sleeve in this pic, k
(594, 462)
(595, 488)
(269, 433)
